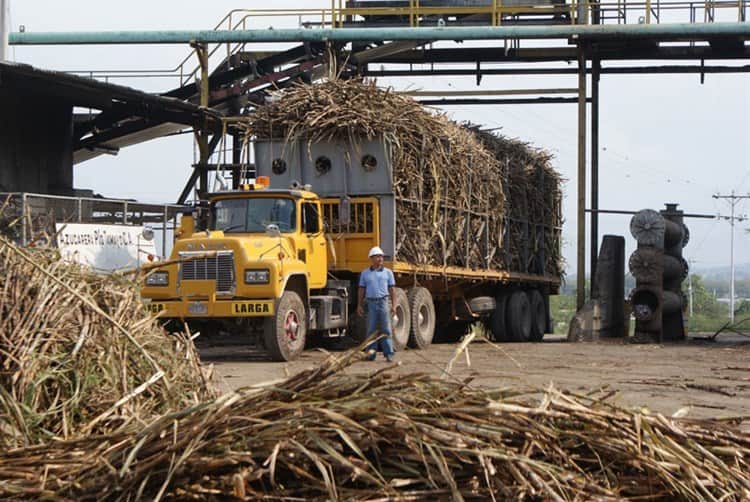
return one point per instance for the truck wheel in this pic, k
(401, 322)
(496, 323)
(284, 332)
(538, 315)
(422, 318)
(482, 304)
(518, 317)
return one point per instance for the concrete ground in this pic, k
(704, 378)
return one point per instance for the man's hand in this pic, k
(360, 310)
(393, 310)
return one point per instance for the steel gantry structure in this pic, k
(361, 34)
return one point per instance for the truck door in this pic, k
(315, 251)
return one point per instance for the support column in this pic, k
(237, 140)
(595, 72)
(581, 191)
(201, 134)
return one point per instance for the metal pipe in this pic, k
(4, 29)
(594, 164)
(496, 92)
(622, 211)
(622, 70)
(581, 261)
(24, 234)
(495, 101)
(676, 31)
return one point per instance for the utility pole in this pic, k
(690, 286)
(733, 201)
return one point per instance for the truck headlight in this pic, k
(256, 276)
(158, 279)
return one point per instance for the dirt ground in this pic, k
(711, 378)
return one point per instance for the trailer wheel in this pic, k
(422, 318)
(519, 317)
(482, 305)
(538, 315)
(496, 323)
(284, 332)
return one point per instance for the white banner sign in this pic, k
(104, 248)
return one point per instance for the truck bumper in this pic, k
(185, 309)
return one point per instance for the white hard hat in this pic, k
(375, 251)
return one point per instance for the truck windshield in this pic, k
(253, 215)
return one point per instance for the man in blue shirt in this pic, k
(376, 287)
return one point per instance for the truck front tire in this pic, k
(284, 332)
(422, 318)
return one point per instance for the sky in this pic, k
(663, 138)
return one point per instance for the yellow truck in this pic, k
(278, 261)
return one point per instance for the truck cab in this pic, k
(252, 262)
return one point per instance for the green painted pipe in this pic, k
(684, 31)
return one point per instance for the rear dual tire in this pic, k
(413, 322)
(401, 320)
(423, 318)
(518, 317)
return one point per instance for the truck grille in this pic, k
(218, 267)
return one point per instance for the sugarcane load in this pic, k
(468, 221)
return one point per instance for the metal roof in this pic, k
(125, 107)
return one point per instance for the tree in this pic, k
(704, 302)
(743, 310)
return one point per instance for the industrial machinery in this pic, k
(657, 264)
(279, 261)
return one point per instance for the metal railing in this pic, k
(38, 215)
(339, 16)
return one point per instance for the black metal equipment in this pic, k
(657, 302)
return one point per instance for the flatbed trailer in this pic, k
(280, 260)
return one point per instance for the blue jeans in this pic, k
(379, 319)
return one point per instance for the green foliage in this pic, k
(704, 302)
(705, 324)
(742, 310)
(562, 309)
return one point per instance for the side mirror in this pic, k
(272, 230)
(345, 211)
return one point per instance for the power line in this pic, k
(733, 201)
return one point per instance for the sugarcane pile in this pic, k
(534, 203)
(454, 193)
(328, 434)
(79, 355)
